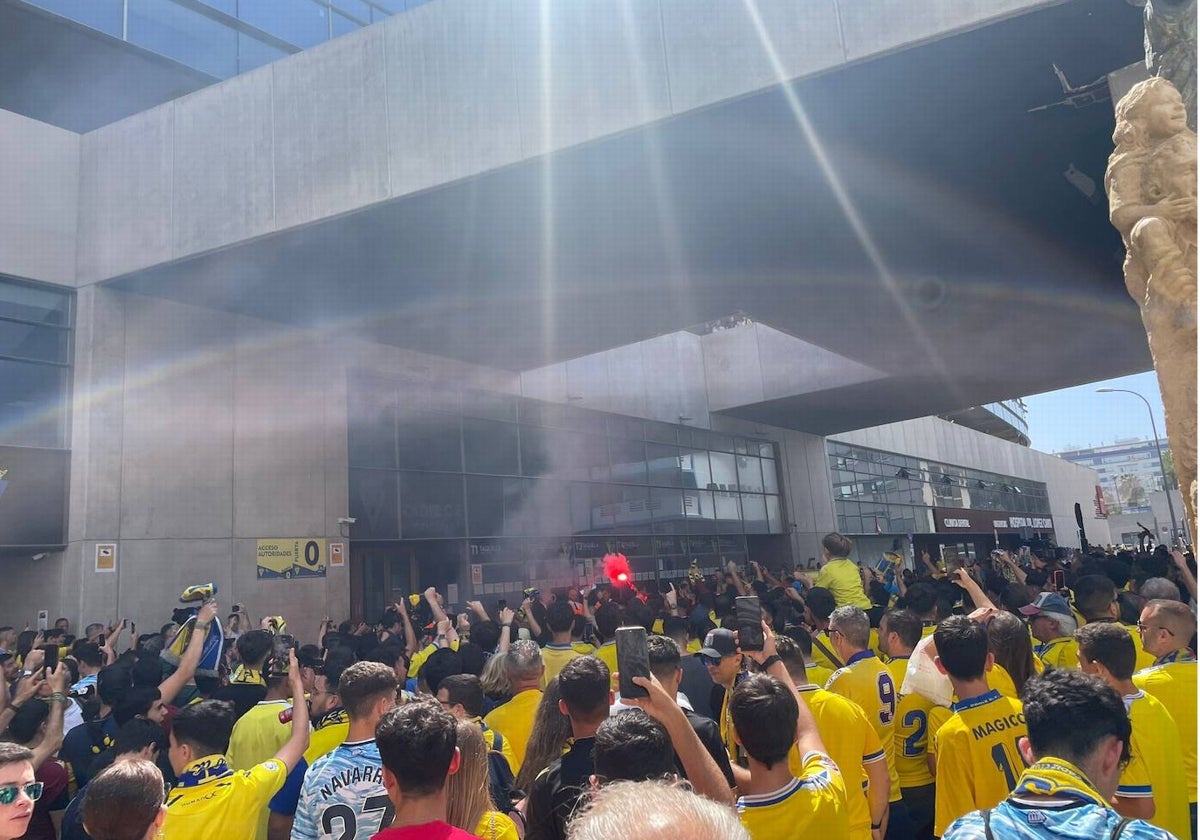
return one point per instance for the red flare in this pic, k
(616, 569)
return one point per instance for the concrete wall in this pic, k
(39, 171)
(446, 91)
(194, 434)
(939, 440)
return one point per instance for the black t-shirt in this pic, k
(243, 696)
(697, 685)
(555, 794)
(709, 734)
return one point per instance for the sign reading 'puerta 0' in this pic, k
(959, 521)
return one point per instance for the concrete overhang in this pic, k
(481, 182)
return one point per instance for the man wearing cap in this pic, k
(721, 657)
(1052, 623)
(263, 730)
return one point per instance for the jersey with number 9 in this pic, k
(869, 683)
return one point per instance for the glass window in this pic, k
(104, 15)
(485, 506)
(253, 53)
(371, 427)
(355, 8)
(519, 515)
(774, 515)
(724, 470)
(587, 456)
(32, 404)
(431, 506)
(299, 22)
(378, 14)
(766, 450)
(490, 447)
(666, 508)
(696, 471)
(28, 341)
(665, 467)
(770, 475)
(530, 411)
(754, 513)
(36, 304)
(547, 508)
(581, 507)
(538, 447)
(429, 441)
(661, 433)
(628, 460)
(625, 427)
(700, 513)
(488, 405)
(373, 504)
(749, 473)
(727, 507)
(184, 35)
(343, 25)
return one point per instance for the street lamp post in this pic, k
(1158, 448)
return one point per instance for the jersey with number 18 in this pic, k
(978, 761)
(343, 796)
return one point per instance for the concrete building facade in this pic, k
(566, 211)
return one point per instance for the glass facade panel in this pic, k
(628, 460)
(665, 467)
(754, 513)
(34, 304)
(185, 36)
(431, 506)
(29, 341)
(770, 475)
(104, 15)
(253, 53)
(749, 474)
(490, 447)
(429, 441)
(485, 505)
(774, 515)
(373, 500)
(724, 470)
(299, 22)
(33, 402)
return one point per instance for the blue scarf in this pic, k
(203, 770)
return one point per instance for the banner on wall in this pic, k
(291, 558)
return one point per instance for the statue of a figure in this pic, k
(1171, 47)
(1151, 185)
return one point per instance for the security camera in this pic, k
(346, 520)
(39, 556)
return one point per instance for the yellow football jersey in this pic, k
(868, 682)
(912, 732)
(213, 800)
(259, 734)
(607, 653)
(1156, 768)
(851, 742)
(978, 762)
(1000, 680)
(555, 657)
(823, 653)
(514, 720)
(812, 804)
(1174, 685)
(1062, 652)
(818, 675)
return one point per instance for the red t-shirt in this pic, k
(425, 831)
(53, 777)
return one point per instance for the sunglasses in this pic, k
(8, 795)
(1143, 628)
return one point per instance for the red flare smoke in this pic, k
(616, 569)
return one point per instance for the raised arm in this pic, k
(410, 635)
(58, 699)
(702, 772)
(534, 627)
(109, 648)
(291, 752)
(807, 737)
(172, 685)
(964, 580)
(506, 620)
(1189, 580)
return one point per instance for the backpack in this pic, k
(500, 776)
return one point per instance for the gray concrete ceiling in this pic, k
(952, 253)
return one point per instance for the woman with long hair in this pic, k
(547, 740)
(1010, 644)
(469, 804)
(495, 680)
(125, 802)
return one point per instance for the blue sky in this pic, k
(1076, 417)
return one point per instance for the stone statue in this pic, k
(1151, 185)
(1171, 47)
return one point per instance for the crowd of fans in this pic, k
(1036, 695)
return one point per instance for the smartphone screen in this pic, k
(1060, 580)
(633, 660)
(749, 620)
(51, 660)
(502, 604)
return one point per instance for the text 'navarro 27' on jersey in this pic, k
(343, 797)
(978, 762)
